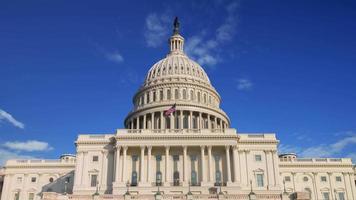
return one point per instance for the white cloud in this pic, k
(30, 145)
(156, 29)
(205, 50)
(115, 57)
(324, 150)
(244, 84)
(8, 117)
(7, 155)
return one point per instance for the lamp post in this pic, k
(65, 187)
(189, 194)
(127, 194)
(252, 195)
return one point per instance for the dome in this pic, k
(177, 65)
(179, 83)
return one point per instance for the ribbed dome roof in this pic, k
(177, 65)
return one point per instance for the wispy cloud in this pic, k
(157, 29)
(7, 155)
(4, 116)
(324, 150)
(30, 145)
(244, 84)
(205, 50)
(114, 57)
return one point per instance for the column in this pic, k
(190, 121)
(236, 164)
(353, 190)
(78, 168)
(104, 168)
(209, 122)
(144, 122)
(332, 195)
(124, 164)
(152, 120)
(227, 151)
(171, 121)
(269, 168)
(215, 122)
(199, 121)
(149, 149)
(210, 164)
(162, 121)
(142, 159)
(243, 169)
(167, 174)
(316, 185)
(138, 122)
(117, 165)
(84, 172)
(275, 167)
(181, 119)
(247, 169)
(202, 154)
(185, 172)
(293, 174)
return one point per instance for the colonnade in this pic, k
(232, 174)
(181, 119)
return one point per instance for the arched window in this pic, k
(176, 94)
(199, 97)
(134, 178)
(184, 94)
(154, 96)
(168, 94)
(204, 98)
(161, 95)
(192, 95)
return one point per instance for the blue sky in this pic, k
(72, 67)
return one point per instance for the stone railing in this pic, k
(316, 160)
(56, 196)
(177, 131)
(37, 161)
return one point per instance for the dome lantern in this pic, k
(176, 42)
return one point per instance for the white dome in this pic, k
(177, 80)
(177, 66)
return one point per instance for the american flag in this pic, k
(170, 110)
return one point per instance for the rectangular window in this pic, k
(326, 196)
(323, 179)
(17, 196)
(93, 180)
(338, 179)
(19, 179)
(33, 179)
(95, 158)
(258, 158)
(341, 196)
(68, 179)
(287, 179)
(31, 196)
(259, 180)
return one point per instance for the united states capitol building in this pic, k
(192, 153)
